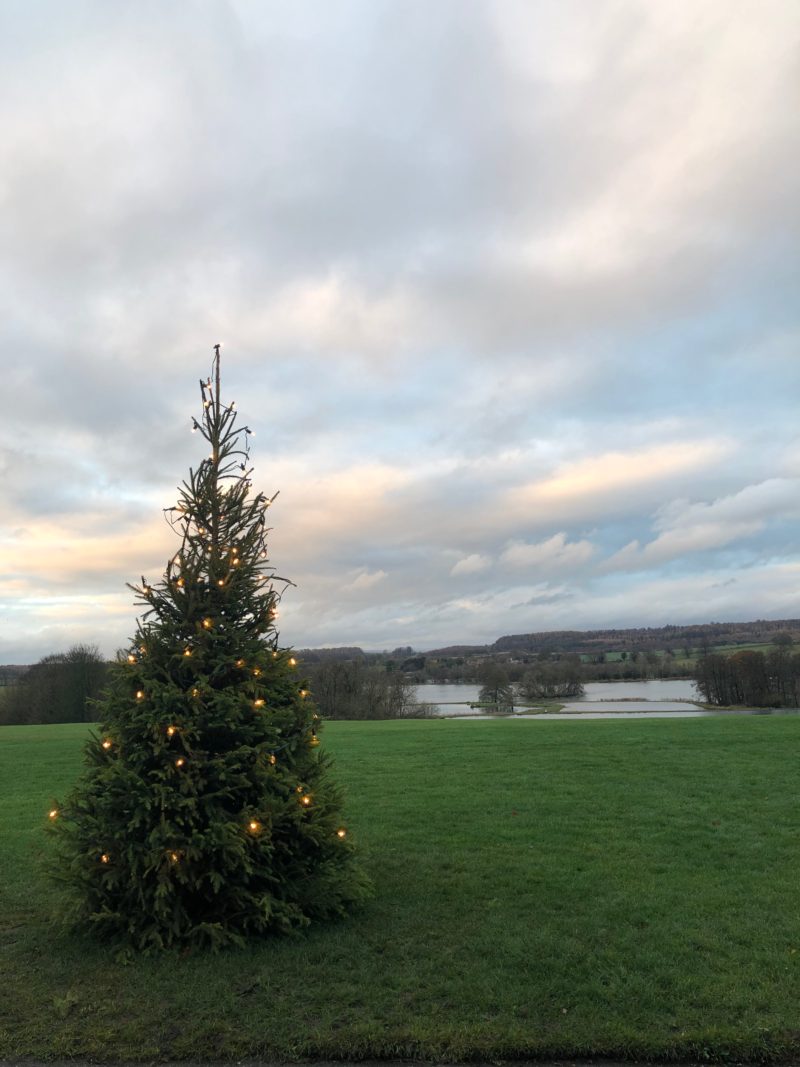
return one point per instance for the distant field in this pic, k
(563, 889)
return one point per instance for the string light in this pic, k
(341, 832)
(256, 672)
(273, 759)
(180, 583)
(142, 649)
(131, 658)
(187, 652)
(174, 857)
(254, 826)
(140, 694)
(292, 661)
(258, 703)
(179, 762)
(240, 663)
(195, 692)
(220, 581)
(53, 814)
(314, 740)
(207, 624)
(105, 858)
(236, 562)
(306, 800)
(106, 744)
(303, 693)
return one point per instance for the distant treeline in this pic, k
(770, 680)
(59, 688)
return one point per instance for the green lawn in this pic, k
(542, 889)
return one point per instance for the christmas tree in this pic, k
(205, 814)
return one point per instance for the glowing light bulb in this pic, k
(254, 826)
(273, 759)
(292, 661)
(179, 762)
(306, 800)
(180, 583)
(142, 649)
(131, 658)
(53, 814)
(236, 562)
(256, 672)
(174, 857)
(303, 693)
(207, 624)
(341, 832)
(220, 581)
(105, 858)
(195, 692)
(140, 694)
(258, 703)
(106, 744)
(171, 731)
(240, 663)
(187, 652)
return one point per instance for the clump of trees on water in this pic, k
(770, 680)
(59, 688)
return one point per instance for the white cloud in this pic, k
(471, 564)
(554, 553)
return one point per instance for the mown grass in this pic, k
(618, 889)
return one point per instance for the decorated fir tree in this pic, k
(205, 814)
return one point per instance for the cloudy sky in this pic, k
(508, 291)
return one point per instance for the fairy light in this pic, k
(174, 857)
(180, 583)
(53, 813)
(254, 826)
(240, 663)
(292, 660)
(131, 658)
(273, 759)
(171, 731)
(195, 692)
(220, 581)
(306, 800)
(236, 562)
(106, 744)
(140, 694)
(105, 858)
(142, 649)
(303, 693)
(256, 672)
(258, 703)
(314, 740)
(208, 624)
(180, 761)
(187, 652)
(341, 832)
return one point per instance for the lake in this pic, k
(663, 695)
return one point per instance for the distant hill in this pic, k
(646, 637)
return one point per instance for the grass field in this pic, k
(617, 889)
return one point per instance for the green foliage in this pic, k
(205, 815)
(59, 688)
